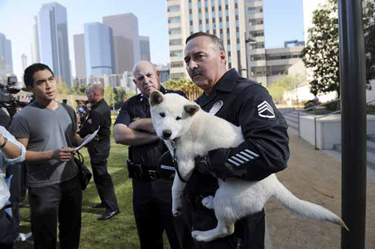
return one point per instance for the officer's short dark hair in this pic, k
(28, 76)
(216, 40)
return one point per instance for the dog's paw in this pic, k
(176, 211)
(202, 236)
(208, 202)
(176, 207)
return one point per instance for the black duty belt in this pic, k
(139, 171)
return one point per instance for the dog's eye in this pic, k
(162, 114)
(178, 118)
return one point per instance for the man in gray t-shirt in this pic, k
(46, 130)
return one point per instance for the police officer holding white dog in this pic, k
(265, 150)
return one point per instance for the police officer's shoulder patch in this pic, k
(265, 110)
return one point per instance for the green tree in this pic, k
(187, 86)
(281, 86)
(119, 97)
(74, 89)
(321, 53)
(109, 96)
(82, 89)
(63, 88)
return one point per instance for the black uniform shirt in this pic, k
(136, 108)
(100, 114)
(265, 151)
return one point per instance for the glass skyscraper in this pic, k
(6, 65)
(98, 49)
(54, 48)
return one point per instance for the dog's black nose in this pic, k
(167, 133)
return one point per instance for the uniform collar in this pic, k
(97, 104)
(143, 98)
(227, 81)
(226, 84)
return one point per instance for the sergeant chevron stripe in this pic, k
(265, 110)
(242, 157)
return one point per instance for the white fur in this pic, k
(195, 135)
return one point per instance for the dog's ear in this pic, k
(156, 98)
(191, 109)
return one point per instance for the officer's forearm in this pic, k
(124, 135)
(144, 124)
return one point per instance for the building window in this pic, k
(253, 22)
(258, 71)
(254, 10)
(174, 8)
(259, 33)
(177, 64)
(175, 42)
(257, 45)
(177, 75)
(175, 31)
(174, 20)
(258, 57)
(175, 53)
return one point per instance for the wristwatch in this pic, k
(4, 143)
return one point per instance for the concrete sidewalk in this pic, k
(314, 176)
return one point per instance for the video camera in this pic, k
(8, 87)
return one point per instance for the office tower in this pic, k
(6, 64)
(54, 47)
(98, 49)
(35, 51)
(224, 18)
(144, 46)
(265, 66)
(79, 55)
(24, 62)
(125, 40)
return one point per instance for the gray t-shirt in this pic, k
(47, 130)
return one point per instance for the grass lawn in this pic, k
(118, 232)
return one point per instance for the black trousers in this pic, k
(152, 203)
(103, 181)
(249, 232)
(59, 203)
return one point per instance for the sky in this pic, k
(283, 22)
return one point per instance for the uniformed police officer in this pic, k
(152, 201)
(100, 116)
(265, 150)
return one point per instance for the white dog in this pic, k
(189, 132)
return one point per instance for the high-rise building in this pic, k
(79, 56)
(224, 18)
(144, 45)
(125, 40)
(35, 51)
(54, 47)
(6, 63)
(265, 66)
(24, 62)
(98, 49)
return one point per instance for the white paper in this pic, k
(88, 140)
